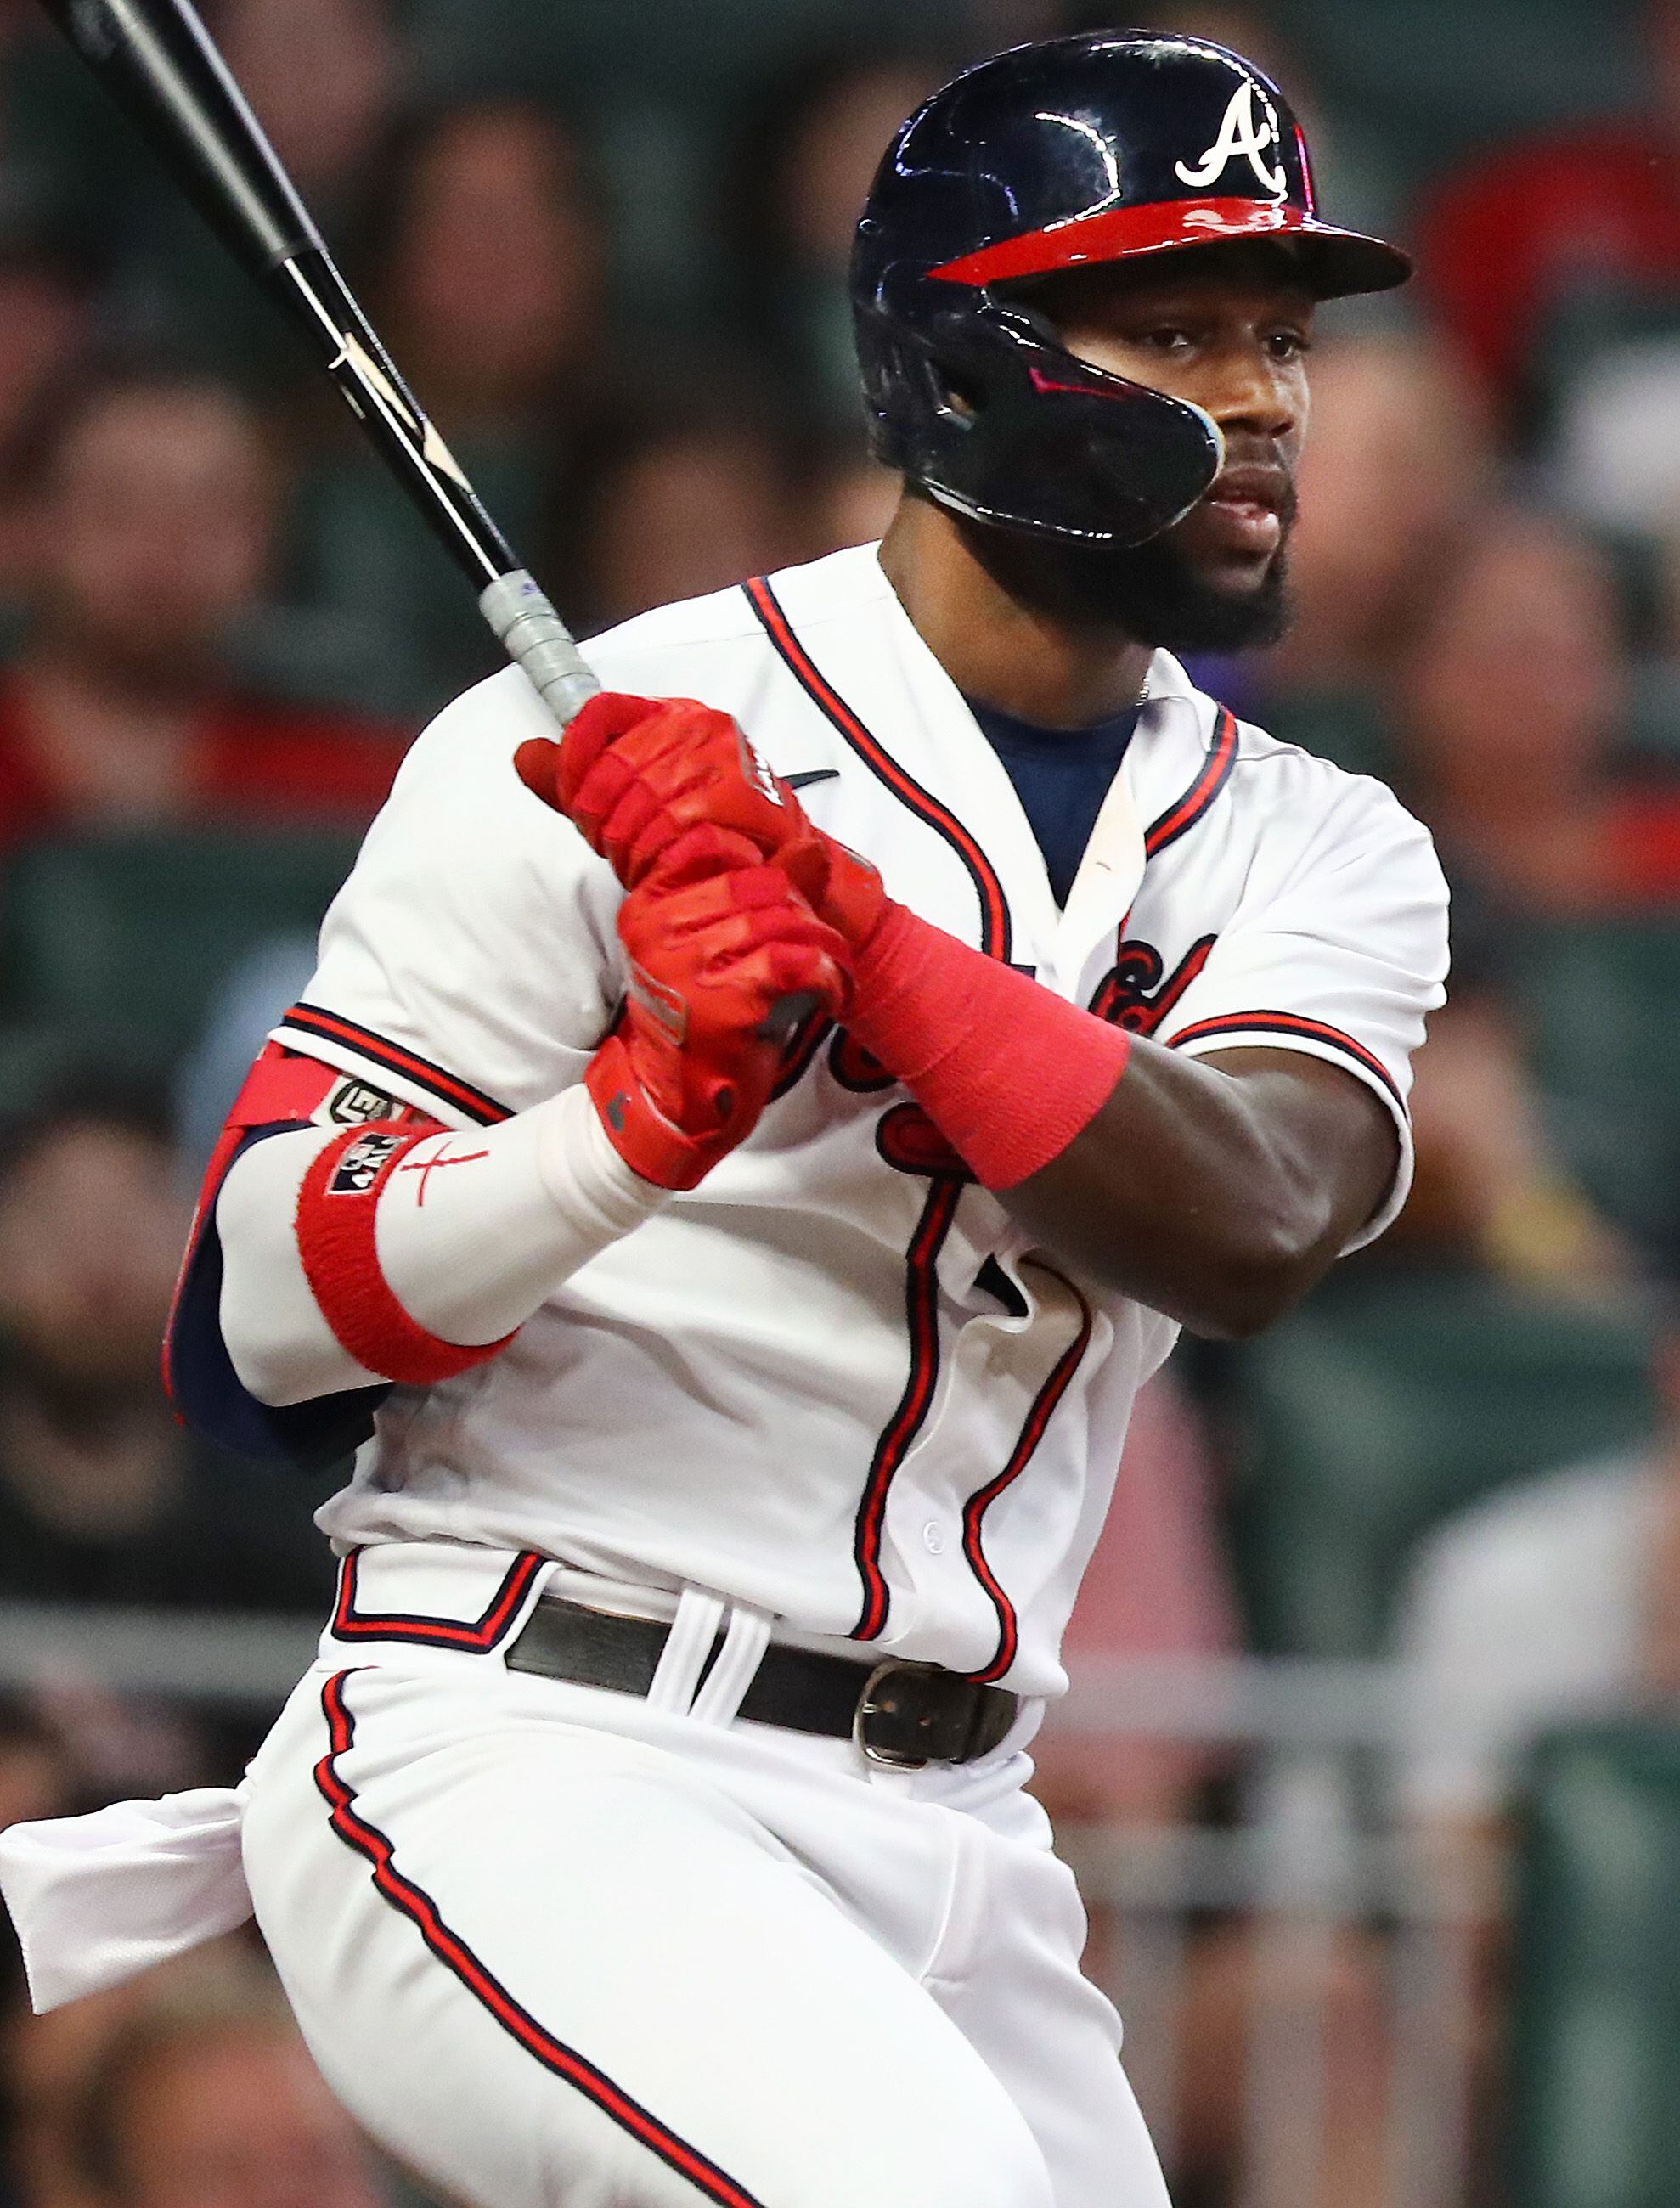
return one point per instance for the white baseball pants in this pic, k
(557, 1947)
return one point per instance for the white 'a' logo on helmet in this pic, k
(1243, 134)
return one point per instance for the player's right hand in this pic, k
(726, 959)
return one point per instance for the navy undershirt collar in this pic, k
(1061, 776)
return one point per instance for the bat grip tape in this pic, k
(539, 640)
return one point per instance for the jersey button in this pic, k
(934, 1538)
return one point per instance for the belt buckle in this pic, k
(870, 1703)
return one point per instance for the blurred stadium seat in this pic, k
(123, 940)
(696, 52)
(1596, 2026)
(1382, 1407)
(1430, 81)
(1347, 725)
(1598, 998)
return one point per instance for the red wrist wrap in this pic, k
(1009, 1072)
(337, 1238)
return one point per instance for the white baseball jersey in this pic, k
(661, 1953)
(836, 1381)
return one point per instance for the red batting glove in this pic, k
(1008, 1073)
(847, 892)
(725, 960)
(634, 774)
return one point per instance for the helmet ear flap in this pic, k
(980, 405)
(954, 397)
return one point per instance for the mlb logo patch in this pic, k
(353, 1101)
(359, 1167)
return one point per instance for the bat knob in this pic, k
(788, 1015)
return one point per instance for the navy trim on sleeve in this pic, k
(206, 1391)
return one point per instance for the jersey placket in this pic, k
(1006, 1377)
(919, 1536)
(953, 1450)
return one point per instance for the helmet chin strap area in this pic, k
(1216, 437)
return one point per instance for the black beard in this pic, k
(1148, 592)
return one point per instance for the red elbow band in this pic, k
(337, 1241)
(1008, 1072)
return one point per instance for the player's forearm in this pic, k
(1186, 1192)
(467, 1236)
(1214, 1199)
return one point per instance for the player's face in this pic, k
(1228, 329)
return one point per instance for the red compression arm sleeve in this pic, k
(1009, 1072)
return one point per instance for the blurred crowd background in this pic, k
(608, 245)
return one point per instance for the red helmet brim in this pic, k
(1336, 263)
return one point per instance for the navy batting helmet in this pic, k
(1065, 155)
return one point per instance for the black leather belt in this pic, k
(907, 1715)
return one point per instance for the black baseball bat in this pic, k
(161, 67)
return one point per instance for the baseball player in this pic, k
(733, 1171)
